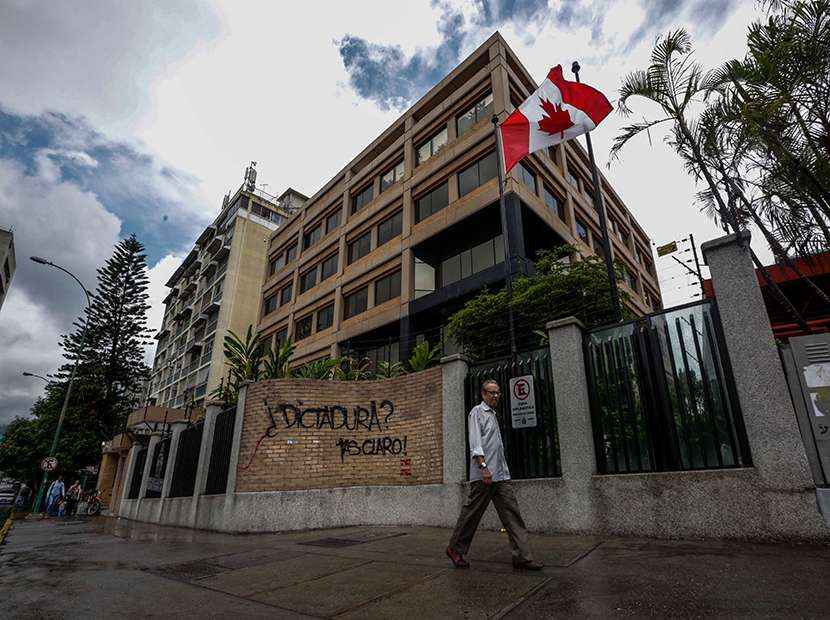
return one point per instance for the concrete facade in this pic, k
(549, 206)
(7, 262)
(214, 290)
(770, 501)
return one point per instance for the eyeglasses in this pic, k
(493, 393)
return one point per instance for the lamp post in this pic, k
(31, 374)
(42, 489)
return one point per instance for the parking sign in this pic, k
(522, 402)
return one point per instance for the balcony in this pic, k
(193, 343)
(211, 326)
(223, 252)
(215, 244)
(209, 269)
(189, 287)
(162, 332)
(206, 235)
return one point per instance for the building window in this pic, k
(333, 221)
(312, 236)
(432, 146)
(325, 317)
(388, 288)
(362, 198)
(424, 278)
(328, 267)
(527, 177)
(392, 176)
(481, 110)
(632, 280)
(432, 202)
(281, 337)
(360, 247)
(355, 303)
(308, 280)
(271, 304)
(477, 174)
(572, 179)
(276, 264)
(472, 261)
(553, 203)
(623, 234)
(291, 254)
(581, 230)
(285, 295)
(302, 328)
(390, 228)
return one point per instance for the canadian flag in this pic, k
(559, 110)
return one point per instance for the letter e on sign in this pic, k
(522, 402)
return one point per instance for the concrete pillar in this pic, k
(774, 441)
(456, 460)
(155, 437)
(237, 439)
(128, 479)
(205, 449)
(176, 430)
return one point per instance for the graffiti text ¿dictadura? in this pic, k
(334, 417)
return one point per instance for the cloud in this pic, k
(161, 204)
(158, 275)
(96, 58)
(708, 16)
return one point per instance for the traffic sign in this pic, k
(663, 250)
(50, 463)
(522, 402)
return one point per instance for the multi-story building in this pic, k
(386, 250)
(7, 262)
(215, 289)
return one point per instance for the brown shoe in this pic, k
(457, 559)
(527, 565)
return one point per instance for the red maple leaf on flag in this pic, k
(555, 120)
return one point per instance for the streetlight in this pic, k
(42, 489)
(31, 374)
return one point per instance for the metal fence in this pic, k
(138, 474)
(158, 465)
(187, 461)
(531, 452)
(220, 454)
(662, 394)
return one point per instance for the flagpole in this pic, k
(603, 221)
(508, 258)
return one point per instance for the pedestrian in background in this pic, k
(489, 481)
(73, 496)
(55, 493)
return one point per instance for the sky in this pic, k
(137, 117)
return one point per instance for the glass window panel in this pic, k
(424, 151)
(466, 121)
(325, 317)
(527, 177)
(466, 264)
(363, 198)
(387, 180)
(468, 180)
(271, 304)
(439, 141)
(308, 280)
(356, 302)
(388, 288)
(424, 278)
(302, 328)
(581, 230)
(360, 247)
(483, 256)
(291, 254)
(390, 228)
(487, 168)
(285, 295)
(328, 267)
(432, 202)
(498, 247)
(450, 270)
(333, 221)
(281, 336)
(312, 236)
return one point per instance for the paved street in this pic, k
(104, 567)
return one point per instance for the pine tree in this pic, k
(111, 371)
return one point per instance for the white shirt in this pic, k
(485, 440)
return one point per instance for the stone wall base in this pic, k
(729, 504)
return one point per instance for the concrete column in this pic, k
(237, 439)
(177, 427)
(155, 437)
(573, 411)
(131, 459)
(205, 449)
(454, 372)
(777, 450)
(573, 419)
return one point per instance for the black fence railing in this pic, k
(662, 394)
(158, 465)
(531, 451)
(138, 474)
(187, 461)
(220, 454)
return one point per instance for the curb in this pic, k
(7, 526)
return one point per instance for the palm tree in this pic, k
(424, 356)
(353, 369)
(675, 82)
(244, 357)
(319, 369)
(275, 364)
(389, 370)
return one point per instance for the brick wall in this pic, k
(310, 434)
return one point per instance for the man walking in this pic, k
(489, 480)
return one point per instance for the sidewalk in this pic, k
(102, 567)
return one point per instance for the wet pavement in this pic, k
(103, 567)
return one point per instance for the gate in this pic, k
(531, 452)
(662, 394)
(220, 454)
(187, 461)
(138, 474)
